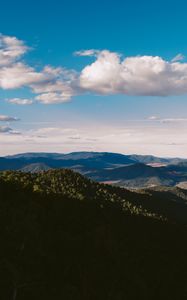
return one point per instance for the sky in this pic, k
(82, 75)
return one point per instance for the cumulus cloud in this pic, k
(19, 75)
(109, 74)
(139, 75)
(20, 101)
(4, 118)
(15, 74)
(57, 90)
(11, 49)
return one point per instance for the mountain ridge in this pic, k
(105, 167)
(64, 236)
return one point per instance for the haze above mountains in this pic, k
(132, 171)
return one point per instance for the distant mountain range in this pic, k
(133, 171)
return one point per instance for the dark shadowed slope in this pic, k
(65, 237)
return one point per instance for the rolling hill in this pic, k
(133, 171)
(66, 237)
(140, 175)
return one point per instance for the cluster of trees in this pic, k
(66, 237)
(68, 183)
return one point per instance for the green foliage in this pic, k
(68, 183)
(66, 237)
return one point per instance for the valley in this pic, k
(130, 171)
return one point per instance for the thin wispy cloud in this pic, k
(90, 52)
(166, 120)
(4, 118)
(164, 140)
(5, 129)
(153, 118)
(178, 57)
(20, 101)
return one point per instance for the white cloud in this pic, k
(54, 84)
(167, 120)
(52, 98)
(153, 118)
(90, 52)
(102, 76)
(139, 75)
(10, 49)
(4, 118)
(160, 139)
(20, 101)
(171, 120)
(108, 74)
(19, 75)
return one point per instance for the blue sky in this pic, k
(127, 94)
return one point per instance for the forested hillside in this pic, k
(66, 237)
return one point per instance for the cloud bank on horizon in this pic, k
(138, 138)
(109, 74)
